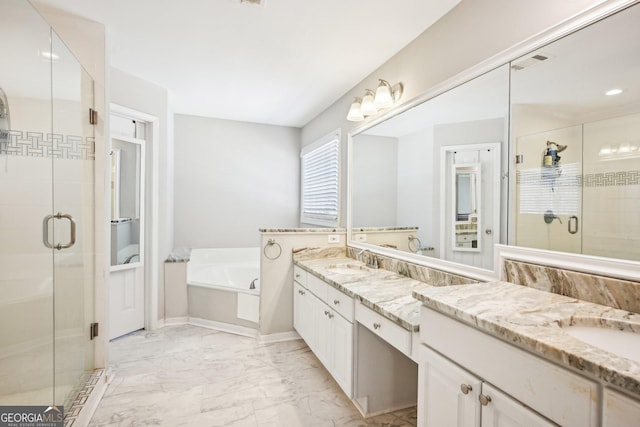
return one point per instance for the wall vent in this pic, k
(529, 61)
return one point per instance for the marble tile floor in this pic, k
(192, 376)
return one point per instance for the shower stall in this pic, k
(47, 154)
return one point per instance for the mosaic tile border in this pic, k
(57, 146)
(87, 383)
(604, 179)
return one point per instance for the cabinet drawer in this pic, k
(299, 275)
(394, 334)
(556, 393)
(340, 302)
(318, 287)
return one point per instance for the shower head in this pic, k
(559, 148)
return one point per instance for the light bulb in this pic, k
(355, 112)
(368, 107)
(383, 98)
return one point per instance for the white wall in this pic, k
(416, 180)
(471, 33)
(232, 178)
(375, 184)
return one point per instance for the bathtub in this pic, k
(223, 287)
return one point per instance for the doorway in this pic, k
(133, 286)
(470, 203)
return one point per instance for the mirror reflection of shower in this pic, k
(5, 122)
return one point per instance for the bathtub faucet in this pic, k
(253, 284)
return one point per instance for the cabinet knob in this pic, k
(484, 399)
(330, 315)
(326, 312)
(376, 325)
(465, 388)
(297, 275)
(336, 301)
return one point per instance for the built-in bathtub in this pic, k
(223, 286)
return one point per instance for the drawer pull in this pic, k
(336, 301)
(301, 292)
(330, 315)
(326, 313)
(376, 325)
(484, 399)
(465, 388)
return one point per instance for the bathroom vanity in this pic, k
(362, 324)
(483, 354)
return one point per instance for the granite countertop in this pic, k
(533, 320)
(383, 291)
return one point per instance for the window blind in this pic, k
(320, 170)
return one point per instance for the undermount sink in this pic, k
(349, 268)
(624, 343)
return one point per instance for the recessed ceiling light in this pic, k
(612, 92)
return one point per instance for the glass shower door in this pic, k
(46, 198)
(26, 197)
(73, 197)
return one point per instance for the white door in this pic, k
(485, 220)
(499, 410)
(127, 275)
(448, 395)
(126, 301)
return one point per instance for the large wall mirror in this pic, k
(575, 114)
(423, 167)
(127, 200)
(535, 150)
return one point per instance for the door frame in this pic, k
(496, 148)
(151, 264)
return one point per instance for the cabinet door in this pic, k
(499, 410)
(342, 340)
(447, 394)
(322, 328)
(302, 314)
(619, 410)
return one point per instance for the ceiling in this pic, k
(282, 62)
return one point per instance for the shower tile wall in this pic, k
(607, 180)
(611, 188)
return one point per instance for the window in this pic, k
(320, 172)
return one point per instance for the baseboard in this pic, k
(172, 321)
(224, 327)
(278, 337)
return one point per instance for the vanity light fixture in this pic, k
(614, 91)
(355, 112)
(373, 102)
(368, 107)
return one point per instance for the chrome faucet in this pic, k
(371, 259)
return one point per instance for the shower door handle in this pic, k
(572, 224)
(45, 231)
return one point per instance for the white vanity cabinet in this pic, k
(519, 389)
(323, 316)
(451, 396)
(619, 410)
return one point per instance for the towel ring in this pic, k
(413, 239)
(272, 242)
